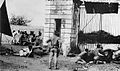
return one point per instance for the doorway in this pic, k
(58, 26)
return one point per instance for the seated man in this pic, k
(83, 57)
(99, 54)
(116, 55)
(14, 39)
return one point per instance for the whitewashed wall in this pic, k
(94, 46)
(110, 22)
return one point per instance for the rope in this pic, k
(89, 22)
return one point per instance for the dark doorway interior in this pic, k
(58, 26)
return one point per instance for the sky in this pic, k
(35, 10)
(31, 9)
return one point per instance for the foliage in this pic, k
(19, 20)
(98, 37)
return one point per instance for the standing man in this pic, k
(54, 50)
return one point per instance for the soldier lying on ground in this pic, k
(25, 51)
(82, 57)
(85, 58)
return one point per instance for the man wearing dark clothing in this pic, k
(54, 50)
(99, 54)
(83, 57)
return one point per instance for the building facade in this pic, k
(61, 15)
(59, 18)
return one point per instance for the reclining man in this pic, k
(83, 57)
(116, 55)
(25, 51)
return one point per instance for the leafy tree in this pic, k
(19, 20)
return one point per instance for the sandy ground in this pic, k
(13, 63)
(16, 63)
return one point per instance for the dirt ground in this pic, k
(13, 63)
(16, 63)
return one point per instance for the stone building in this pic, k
(59, 18)
(62, 16)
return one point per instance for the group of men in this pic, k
(31, 40)
(23, 38)
(53, 49)
(85, 57)
(98, 55)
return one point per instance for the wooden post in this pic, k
(0, 29)
(100, 27)
(0, 38)
(78, 25)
